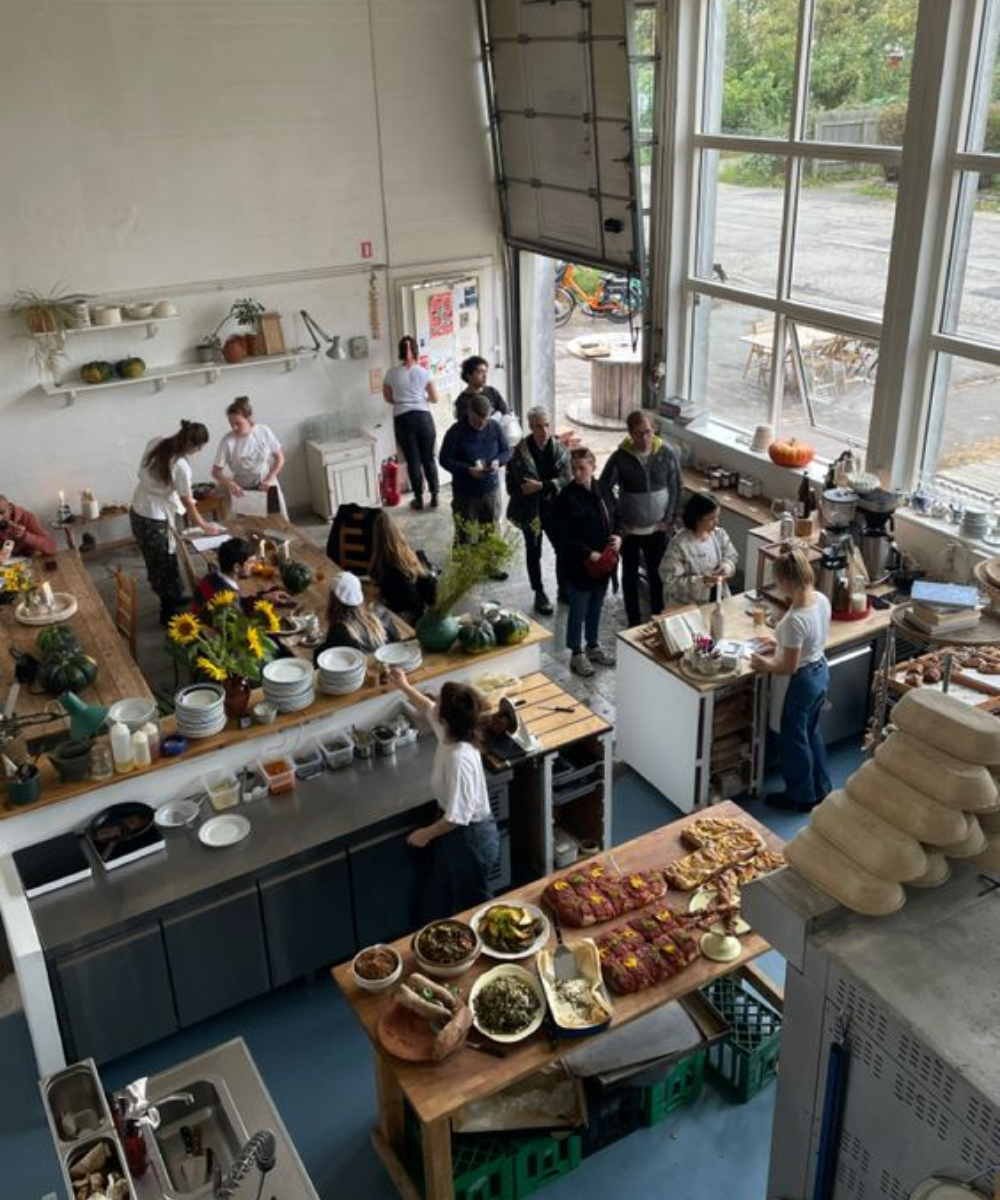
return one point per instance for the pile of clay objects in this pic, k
(929, 794)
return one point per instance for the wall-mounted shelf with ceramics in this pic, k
(148, 323)
(159, 377)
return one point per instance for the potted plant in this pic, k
(247, 314)
(209, 349)
(483, 554)
(46, 319)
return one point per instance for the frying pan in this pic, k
(118, 825)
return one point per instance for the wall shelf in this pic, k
(159, 377)
(147, 323)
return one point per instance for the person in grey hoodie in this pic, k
(645, 476)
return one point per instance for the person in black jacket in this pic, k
(586, 518)
(406, 580)
(474, 371)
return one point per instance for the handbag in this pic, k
(603, 567)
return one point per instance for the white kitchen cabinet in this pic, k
(342, 472)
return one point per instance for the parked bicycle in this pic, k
(613, 297)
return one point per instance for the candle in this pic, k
(62, 498)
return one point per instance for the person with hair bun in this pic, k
(461, 848)
(163, 491)
(701, 558)
(410, 389)
(797, 656)
(249, 458)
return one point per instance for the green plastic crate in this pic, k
(746, 1059)
(482, 1167)
(682, 1086)
(539, 1160)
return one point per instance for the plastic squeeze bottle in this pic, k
(121, 748)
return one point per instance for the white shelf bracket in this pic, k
(213, 375)
(159, 383)
(70, 398)
(151, 329)
(291, 364)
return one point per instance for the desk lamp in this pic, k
(336, 350)
(85, 720)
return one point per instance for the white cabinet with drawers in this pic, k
(341, 472)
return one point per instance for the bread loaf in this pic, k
(990, 821)
(973, 843)
(872, 842)
(949, 724)
(818, 860)
(944, 777)
(904, 806)
(938, 871)
(989, 858)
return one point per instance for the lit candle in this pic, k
(62, 498)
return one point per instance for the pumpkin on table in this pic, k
(67, 669)
(296, 576)
(477, 637)
(510, 628)
(791, 453)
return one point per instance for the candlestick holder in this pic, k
(64, 514)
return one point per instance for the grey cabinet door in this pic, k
(383, 885)
(307, 918)
(115, 997)
(217, 956)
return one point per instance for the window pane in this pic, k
(740, 246)
(828, 384)
(859, 71)
(843, 236)
(756, 42)
(644, 30)
(969, 449)
(739, 356)
(975, 281)
(984, 124)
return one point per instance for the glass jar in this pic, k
(101, 763)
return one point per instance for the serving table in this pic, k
(437, 1092)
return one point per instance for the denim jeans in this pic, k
(652, 547)
(584, 616)
(803, 754)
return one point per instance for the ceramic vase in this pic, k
(235, 349)
(436, 633)
(237, 698)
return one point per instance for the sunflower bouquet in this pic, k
(223, 641)
(14, 581)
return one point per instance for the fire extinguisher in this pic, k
(388, 482)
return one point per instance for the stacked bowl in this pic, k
(341, 670)
(200, 710)
(288, 684)
(976, 524)
(406, 655)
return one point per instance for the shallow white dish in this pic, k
(134, 711)
(297, 703)
(199, 696)
(407, 655)
(526, 977)
(63, 607)
(226, 830)
(529, 950)
(287, 672)
(341, 660)
(177, 814)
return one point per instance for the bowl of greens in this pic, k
(508, 1004)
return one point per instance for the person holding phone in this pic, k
(473, 451)
(21, 532)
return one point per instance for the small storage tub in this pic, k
(309, 762)
(279, 771)
(338, 750)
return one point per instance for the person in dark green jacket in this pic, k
(537, 472)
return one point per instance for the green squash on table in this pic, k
(56, 637)
(477, 637)
(296, 577)
(67, 670)
(511, 627)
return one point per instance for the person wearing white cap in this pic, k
(351, 622)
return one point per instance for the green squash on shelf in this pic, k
(56, 637)
(477, 637)
(97, 371)
(67, 670)
(511, 627)
(130, 368)
(296, 577)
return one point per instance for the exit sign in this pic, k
(366, 249)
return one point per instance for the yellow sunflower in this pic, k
(184, 629)
(222, 599)
(210, 669)
(265, 609)
(254, 642)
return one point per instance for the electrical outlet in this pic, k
(358, 347)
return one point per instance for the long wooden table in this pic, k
(436, 1092)
(118, 674)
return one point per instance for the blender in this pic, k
(875, 533)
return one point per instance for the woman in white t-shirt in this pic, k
(408, 388)
(798, 653)
(163, 491)
(462, 846)
(249, 457)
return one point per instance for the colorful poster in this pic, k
(440, 312)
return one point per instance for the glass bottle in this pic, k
(121, 748)
(101, 763)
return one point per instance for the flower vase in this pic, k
(436, 633)
(237, 696)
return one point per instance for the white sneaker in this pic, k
(579, 664)
(596, 654)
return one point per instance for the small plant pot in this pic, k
(24, 791)
(206, 354)
(235, 349)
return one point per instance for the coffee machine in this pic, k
(874, 531)
(838, 508)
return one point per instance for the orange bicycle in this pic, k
(614, 297)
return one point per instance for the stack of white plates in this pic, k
(288, 684)
(976, 524)
(200, 710)
(406, 655)
(341, 670)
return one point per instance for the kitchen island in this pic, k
(681, 731)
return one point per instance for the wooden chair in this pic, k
(760, 353)
(127, 607)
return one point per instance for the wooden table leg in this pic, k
(438, 1183)
(390, 1103)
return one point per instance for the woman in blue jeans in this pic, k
(797, 655)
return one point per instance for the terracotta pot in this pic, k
(237, 699)
(253, 344)
(40, 320)
(235, 349)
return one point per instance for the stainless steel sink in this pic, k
(209, 1110)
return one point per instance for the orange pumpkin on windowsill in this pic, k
(791, 453)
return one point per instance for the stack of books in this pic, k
(943, 608)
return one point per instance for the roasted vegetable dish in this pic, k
(508, 928)
(446, 942)
(505, 1005)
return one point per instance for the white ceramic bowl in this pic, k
(139, 312)
(377, 985)
(341, 660)
(164, 308)
(265, 712)
(133, 711)
(446, 970)
(526, 977)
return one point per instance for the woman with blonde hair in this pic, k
(797, 656)
(406, 580)
(351, 622)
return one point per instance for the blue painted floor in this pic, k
(317, 1065)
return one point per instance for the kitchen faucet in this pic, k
(259, 1151)
(139, 1107)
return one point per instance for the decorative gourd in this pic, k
(97, 372)
(296, 577)
(791, 453)
(67, 671)
(477, 638)
(56, 637)
(130, 368)
(511, 628)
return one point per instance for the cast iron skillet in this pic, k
(117, 826)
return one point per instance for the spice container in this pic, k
(253, 785)
(309, 762)
(280, 774)
(223, 790)
(364, 743)
(338, 751)
(385, 740)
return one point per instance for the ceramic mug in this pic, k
(24, 791)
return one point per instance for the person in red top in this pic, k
(24, 529)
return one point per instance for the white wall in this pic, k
(210, 149)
